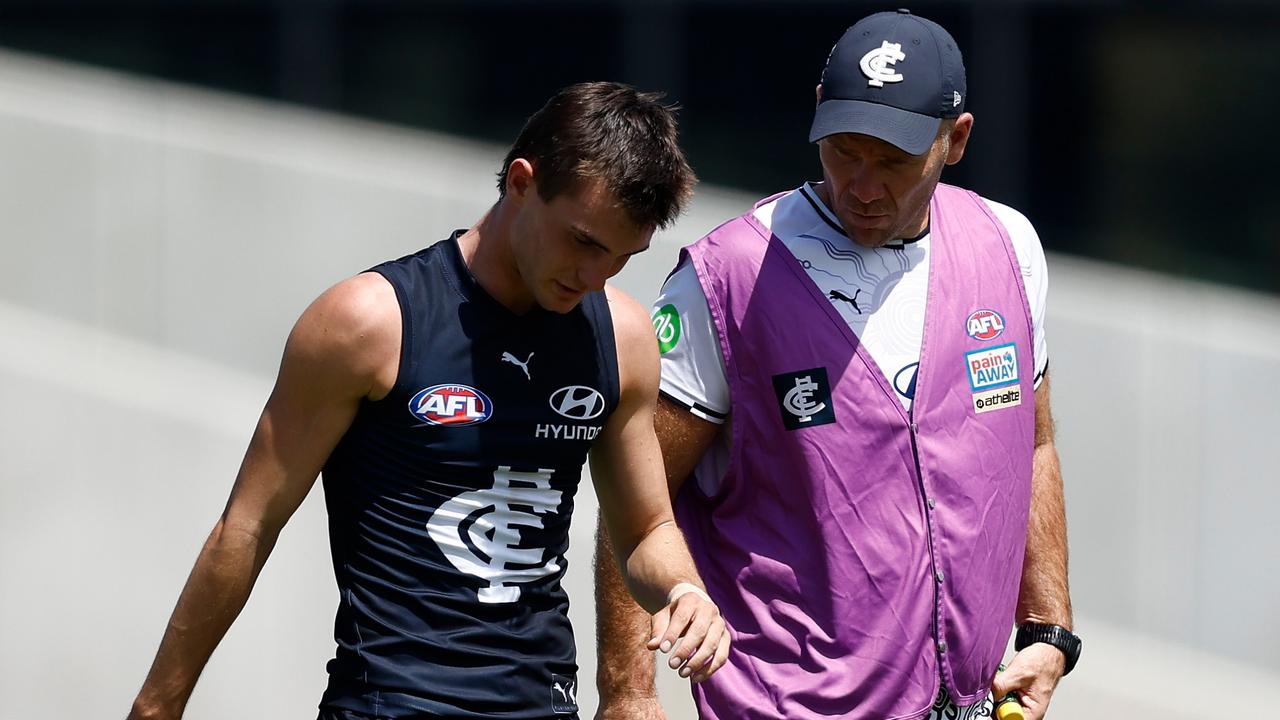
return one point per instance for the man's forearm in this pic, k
(1044, 596)
(625, 667)
(213, 596)
(657, 563)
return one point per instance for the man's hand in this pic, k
(691, 630)
(1033, 673)
(631, 708)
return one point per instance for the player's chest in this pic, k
(511, 396)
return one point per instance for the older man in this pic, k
(856, 423)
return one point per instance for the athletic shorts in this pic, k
(944, 709)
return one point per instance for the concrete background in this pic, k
(158, 243)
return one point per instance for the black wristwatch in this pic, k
(1055, 635)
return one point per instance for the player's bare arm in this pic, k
(625, 664)
(1044, 596)
(627, 468)
(345, 347)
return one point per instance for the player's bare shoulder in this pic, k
(353, 328)
(637, 346)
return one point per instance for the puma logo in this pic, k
(564, 691)
(568, 697)
(508, 357)
(837, 295)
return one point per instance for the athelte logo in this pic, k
(452, 405)
(509, 358)
(480, 532)
(564, 694)
(804, 398)
(876, 64)
(997, 399)
(577, 402)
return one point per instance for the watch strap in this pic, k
(1056, 635)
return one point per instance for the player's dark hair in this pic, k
(613, 133)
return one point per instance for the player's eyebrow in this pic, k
(589, 238)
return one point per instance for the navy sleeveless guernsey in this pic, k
(449, 503)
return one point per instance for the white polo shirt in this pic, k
(880, 292)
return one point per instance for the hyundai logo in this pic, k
(578, 402)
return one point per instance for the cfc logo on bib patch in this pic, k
(804, 398)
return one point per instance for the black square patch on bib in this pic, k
(564, 694)
(804, 397)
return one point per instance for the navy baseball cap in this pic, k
(892, 76)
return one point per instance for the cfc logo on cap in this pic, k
(876, 64)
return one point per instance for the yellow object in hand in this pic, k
(1010, 706)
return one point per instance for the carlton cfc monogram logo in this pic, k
(804, 398)
(876, 64)
(480, 532)
(799, 400)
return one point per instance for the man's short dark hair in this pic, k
(612, 133)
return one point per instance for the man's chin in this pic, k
(562, 306)
(868, 238)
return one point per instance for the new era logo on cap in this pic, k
(893, 76)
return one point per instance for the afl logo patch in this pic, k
(452, 405)
(577, 402)
(984, 325)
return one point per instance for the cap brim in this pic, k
(912, 132)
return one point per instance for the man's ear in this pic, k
(520, 179)
(959, 137)
(817, 93)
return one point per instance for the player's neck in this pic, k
(486, 250)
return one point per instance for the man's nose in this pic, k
(594, 274)
(866, 184)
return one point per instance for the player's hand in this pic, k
(631, 707)
(692, 632)
(1033, 673)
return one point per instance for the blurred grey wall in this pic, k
(158, 243)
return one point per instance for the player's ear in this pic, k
(520, 179)
(817, 93)
(959, 136)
